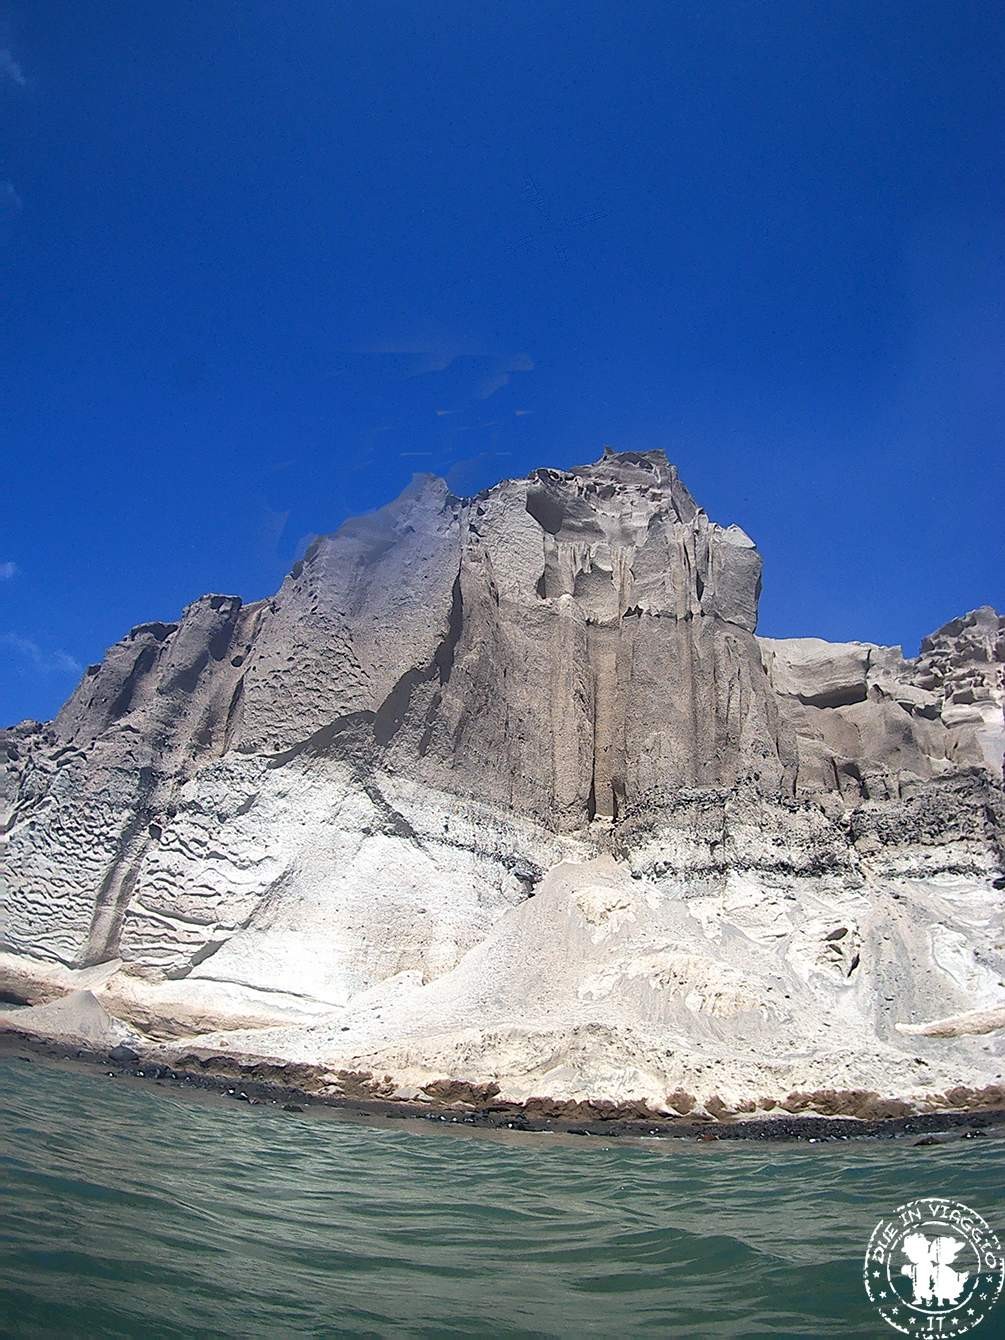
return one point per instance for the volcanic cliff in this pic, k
(505, 791)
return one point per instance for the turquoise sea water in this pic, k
(133, 1210)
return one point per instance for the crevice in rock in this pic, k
(245, 805)
(545, 510)
(591, 800)
(443, 661)
(160, 631)
(839, 697)
(233, 707)
(395, 821)
(200, 956)
(120, 879)
(124, 697)
(211, 947)
(607, 764)
(321, 741)
(219, 643)
(185, 680)
(391, 713)
(427, 732)
(257, 988)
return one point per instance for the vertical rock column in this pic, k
(608, 714)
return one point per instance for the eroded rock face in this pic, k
(868, 722)
(598, 649)
(342, 805)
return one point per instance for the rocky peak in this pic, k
(621, 489)
(964, 654)
(963, 665)
(623, 536)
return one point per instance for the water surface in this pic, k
(133, 1210)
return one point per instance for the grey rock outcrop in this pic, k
(868, 721)
(332, 804)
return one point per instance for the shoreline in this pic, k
(241, 1086)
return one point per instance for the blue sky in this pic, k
(261, 261)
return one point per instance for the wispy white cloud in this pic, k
(7, 571)
(484, 373)
(10, 202)
(35, 658)
(500, 374)
(10, 69)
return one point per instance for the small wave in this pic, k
(128, 1212)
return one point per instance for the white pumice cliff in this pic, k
(505, 792)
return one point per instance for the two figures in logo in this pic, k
(931, 1272)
